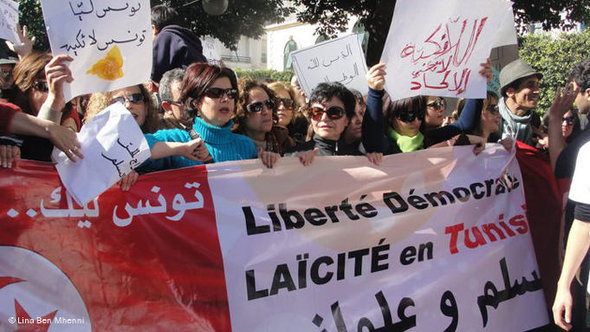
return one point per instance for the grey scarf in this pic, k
(517, 127)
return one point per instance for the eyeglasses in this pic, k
(41, 86)
(6, 73)
(259, 105)
(411, 116)
(569, 120)
(230, 93)
(174, 102)
(333, 113)
(134, 98)
(288, 103)
(439, 103)
(493, 109)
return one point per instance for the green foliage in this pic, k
(333, 16)
(242, 18)
(30, 14)
(554, 58)
(265, 74)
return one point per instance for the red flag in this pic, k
(161, 270)
(544, 211)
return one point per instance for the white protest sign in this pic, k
(110, 41)
(112, 144)
(440, 53)
(210, 51)
(9, 20)
(337, 60)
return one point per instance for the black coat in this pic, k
(175, 47)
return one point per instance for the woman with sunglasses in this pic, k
(330, 107)
(289, 111)
(435, 110)
(488, 120)
(135, 98)
(570, 125)
(403, 130)
(353, 133)
(256, 116)
(38, 91)
(209, 94)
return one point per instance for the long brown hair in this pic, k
(24, 74)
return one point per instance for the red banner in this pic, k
(151, 275)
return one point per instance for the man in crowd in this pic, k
(519, 86)
(174, 45)
(169, 91)
(563, 159)
(577, 244)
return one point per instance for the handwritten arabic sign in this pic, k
(337, 60)
(112, 145)
(440, 53)
(210, 51)
(9, 20)
(109, 41)
(417, 245)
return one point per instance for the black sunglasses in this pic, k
(259, 105)
(174, 102)
(493, 109)
(132, 98)
(230, 93)
(288, 103)
(411, 116)
(439, 103)
(570, 119)
(333, 113)
(41, 86)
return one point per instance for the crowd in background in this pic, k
(192, 113)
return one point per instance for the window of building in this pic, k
(287, 61)
(321, 38)
(363, 35)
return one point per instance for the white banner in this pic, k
(337, 60)
(436, 47)
(430, 241)
(110, 41)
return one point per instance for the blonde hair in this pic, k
(101, 100)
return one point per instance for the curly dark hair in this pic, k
(163, 15)
(245, 85)
(325, 91)
(581, 74)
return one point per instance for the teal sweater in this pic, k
(223, 145)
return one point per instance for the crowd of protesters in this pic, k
(193, 112)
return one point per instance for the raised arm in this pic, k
(561, 104)
(373, 128)
(57, 73)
